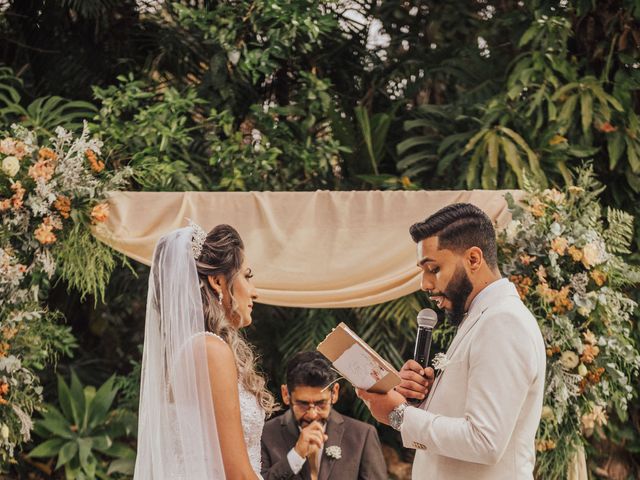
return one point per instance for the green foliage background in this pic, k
(296, 95)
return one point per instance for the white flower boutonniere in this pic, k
(440, 361)
(334, 451)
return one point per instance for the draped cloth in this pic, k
(307, 249)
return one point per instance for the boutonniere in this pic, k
(334, 451)
(440, 362)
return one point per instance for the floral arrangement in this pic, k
(50, 197)
(564, 255)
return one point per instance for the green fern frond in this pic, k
(87, 277)
(619, 235)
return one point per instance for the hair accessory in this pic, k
(197, 239)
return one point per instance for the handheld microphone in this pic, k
(427, 319)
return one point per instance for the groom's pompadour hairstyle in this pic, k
(309, 369)
(458, 227)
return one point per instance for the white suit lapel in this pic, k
(478, 308)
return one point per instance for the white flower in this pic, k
(512, 230)
(547, 413)
(569, 360)
(440, 361)
(10, 166)
(4, 431)
(26, 424)
(334, 451)
(592, 254)
(10, 364)
(234, 56)
(582, 370)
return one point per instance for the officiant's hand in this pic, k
(416, 381)
(380, 405)
(312, 437)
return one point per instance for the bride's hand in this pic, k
(311, 437)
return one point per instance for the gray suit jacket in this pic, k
(361, 452)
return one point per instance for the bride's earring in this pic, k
(220, 297)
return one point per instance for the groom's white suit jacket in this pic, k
(480, 418)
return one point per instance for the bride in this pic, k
(202, 403)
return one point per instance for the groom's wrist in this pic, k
(396, 416)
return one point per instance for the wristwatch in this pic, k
(396, 416)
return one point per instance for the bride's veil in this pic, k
(177, 435)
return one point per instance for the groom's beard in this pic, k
(457, 292)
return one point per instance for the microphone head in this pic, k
(427, 318)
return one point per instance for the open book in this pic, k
(358, 362)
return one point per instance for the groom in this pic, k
(313, 441)
(480, 418)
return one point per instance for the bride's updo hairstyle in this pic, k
(222, 254)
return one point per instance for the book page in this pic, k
(356, 364)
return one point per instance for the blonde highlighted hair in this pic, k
(222, 254)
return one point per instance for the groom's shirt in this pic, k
(481, 416)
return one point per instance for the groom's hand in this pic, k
(312, 437)
(380, 405)
(416, 380)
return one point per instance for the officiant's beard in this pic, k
(458, 290)
(303, 423)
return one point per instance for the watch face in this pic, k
(395, 417)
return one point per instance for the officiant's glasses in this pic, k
(320, 405)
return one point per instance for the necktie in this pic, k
(313, 463)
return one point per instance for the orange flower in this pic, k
(589, 354)
(9, 146)
(544, 445)
(18, 195)
(575, 253)
(53, 221)
(44, 234)
(606, 127)
(599, 277)
(541, 273)
(5, 204)
(561, 302)
(522, 283)
(526, 259)
(9, 332)
(63, 205)
(100, 212)
(47, 154)
(559, 245)
(537, 208)
(4, 389)
(42, 169)
(4, 348)
(96, 165)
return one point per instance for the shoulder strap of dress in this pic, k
(215, 335)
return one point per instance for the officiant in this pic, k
(311, 440)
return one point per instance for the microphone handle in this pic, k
(421, 353)
(423, 346)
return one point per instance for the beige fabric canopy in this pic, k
(307, 249)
